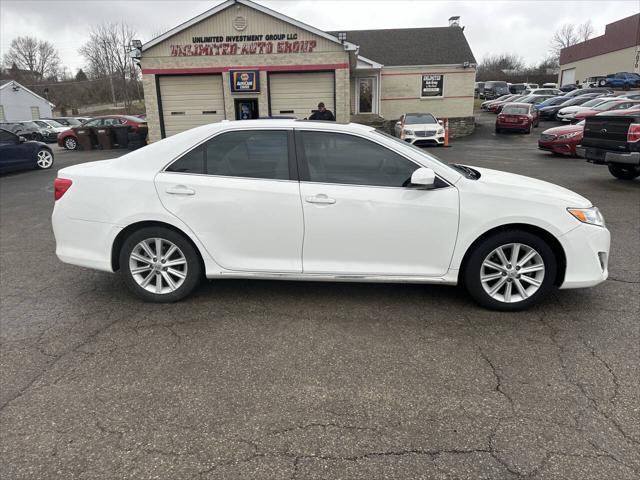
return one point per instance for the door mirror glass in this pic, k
(423, 177)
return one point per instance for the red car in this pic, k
(496, 107)
(517, 116)
(614, 104)
(562, 140)
(69, 139)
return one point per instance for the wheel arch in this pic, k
(548, 237)
(129, 229)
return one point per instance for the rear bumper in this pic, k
(598, 155)
(513, 126)
(83, 243)
(587, 252)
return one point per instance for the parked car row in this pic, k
(43, 129)
(91, 131)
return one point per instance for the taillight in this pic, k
(60, 187)
(633, 134)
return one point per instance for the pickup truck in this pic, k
(624, 80)
(613, 140)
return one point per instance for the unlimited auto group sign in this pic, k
(243, 45)
(432, 85)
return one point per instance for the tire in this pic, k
(626, 87)
(602, 83)
(624, 172)
(44, 159)
(498, 130)
(528, 130)
(184, 258)
(70, 143)
(36, 137)
(486, 250)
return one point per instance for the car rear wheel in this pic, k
(36, 136)
(624, 172)
(160, 265)
(44, 159)
(498, 130)
(510, 271)
(70, 143)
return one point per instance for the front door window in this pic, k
(366, 95)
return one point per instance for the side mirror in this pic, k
(423, 177)
(21, 139)
(440, 122)
(398, 123)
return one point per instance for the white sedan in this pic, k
(420, 129)
(299, 200)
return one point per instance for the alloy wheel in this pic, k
(45, 159)
(70, 143)
(158, 265)
(512, 273)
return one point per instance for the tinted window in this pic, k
(7, 136)
(347, 159)
(249, 153)
(94, 123)
(190, 162)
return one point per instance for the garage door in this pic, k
(568, 76)
(298, 94)
(190, 101)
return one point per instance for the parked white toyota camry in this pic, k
(298, 200)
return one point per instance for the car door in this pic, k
(238, 192)
(13, 154)
(362, 217)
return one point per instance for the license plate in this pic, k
(511, 120)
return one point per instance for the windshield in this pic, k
(594, 102)
(418, 119)
(515, 110)
(54, 124)
(42, 123)
(604, 105)
(73, 121)
(29, 124)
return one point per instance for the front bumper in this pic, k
(561, 148)
(425, 141)
(587, 250)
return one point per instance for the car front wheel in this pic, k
(160, 265)
(70, 143)
(44, 159)
(510, 271)
(624, 172)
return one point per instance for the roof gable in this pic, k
(413, 46)
(247, 3)
(25, 89)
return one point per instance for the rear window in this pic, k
(412, 119)
(515, 110)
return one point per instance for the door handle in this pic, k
(321, 198)
(180, 190)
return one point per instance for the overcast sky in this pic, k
(523, 27)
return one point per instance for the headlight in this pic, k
(569, 135)
(408, 132)
(592, 215)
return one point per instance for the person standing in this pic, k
(322, 114)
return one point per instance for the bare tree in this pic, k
(585, 31)
(500, 62)
(107, 55)
(39, 57)
(570, 34)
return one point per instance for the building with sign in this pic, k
(242, 60)
(618, 50)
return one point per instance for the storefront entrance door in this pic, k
(246, 108)
(367, 95)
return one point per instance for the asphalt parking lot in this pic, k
(262, 379)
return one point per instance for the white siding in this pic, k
(18, 103)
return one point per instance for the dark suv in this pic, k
(494, 89)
